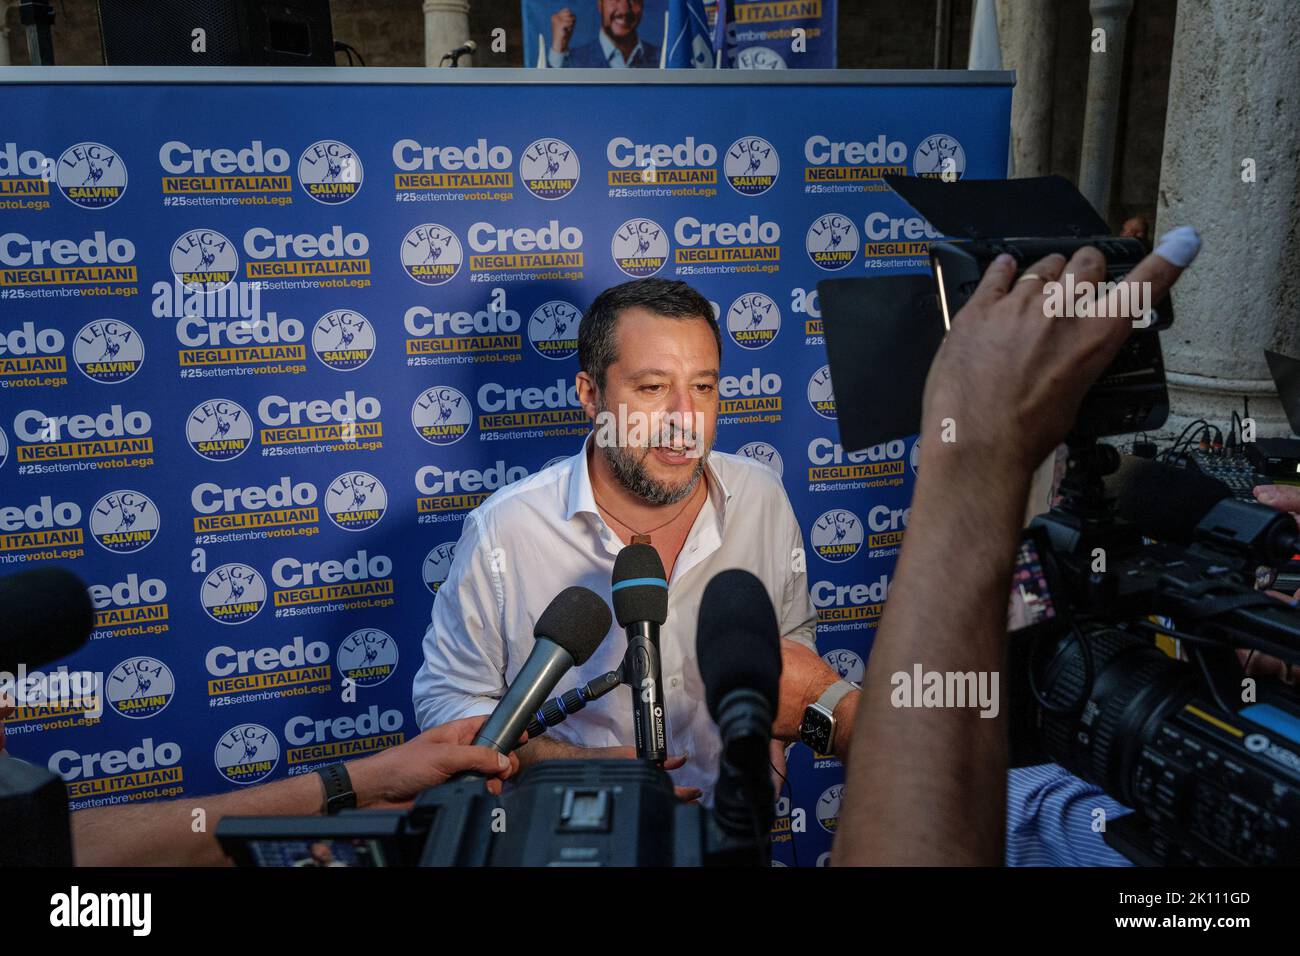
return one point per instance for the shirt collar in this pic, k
(581, 495)
(611, 51)
(583, 498)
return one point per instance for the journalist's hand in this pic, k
(1007, 382)
(393, 777)
(1281, 497)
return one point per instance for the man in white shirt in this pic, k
(649, 350)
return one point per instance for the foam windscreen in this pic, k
(578, 620)
(640, 588)
(738, 640)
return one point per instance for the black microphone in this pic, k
(567, 634)
(47, 614)
(738, 644)
(1180, 506)
(558, 709)
(469, 46)
(640, 591)
(1161, 501)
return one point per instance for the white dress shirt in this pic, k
(531, 539)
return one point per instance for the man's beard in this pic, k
(628, 463)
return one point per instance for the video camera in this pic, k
(558, 813)
(1105, 584)
(1133, 596)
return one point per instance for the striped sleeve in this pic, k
(1050, 814)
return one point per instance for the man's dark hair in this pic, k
(597, 333)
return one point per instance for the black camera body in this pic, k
(1130, 396)
(34, 817)
(558, 813)
(1208, 760)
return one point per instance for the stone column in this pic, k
(1027, 30)
(1233, 92)
(446, 26)
(4, 33)
(1101, 112)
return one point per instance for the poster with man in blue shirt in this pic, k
(618, 41)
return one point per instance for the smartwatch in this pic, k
(339, 794)
(817, 729)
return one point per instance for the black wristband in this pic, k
(339, 794)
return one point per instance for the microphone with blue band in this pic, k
(640, 592)
(640, 582)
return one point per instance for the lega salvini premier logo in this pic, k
(441, 415)
(219, 429)
(832, 241)
(549, 168)
(330, 172)
(247, 753)
(124, 521)
(91, 175)
(108, 351)
(367, 656)
(343, 340)
(356, 501)
(140, 687)
(837, 535)
(751, 165)
(753, 320)
(234, 593)
(432, 254)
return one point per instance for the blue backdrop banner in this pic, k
(775, 34)
(264, 345)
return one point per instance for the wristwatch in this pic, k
(817, 729)
(339, 794)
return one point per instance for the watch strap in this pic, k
(339, 794)
(832, 695)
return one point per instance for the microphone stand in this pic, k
(455, 55)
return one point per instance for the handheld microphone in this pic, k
(47, 614)
(567, 634)
(640, 591)
(558, 709)
(738, 644)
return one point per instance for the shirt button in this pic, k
(675, 681)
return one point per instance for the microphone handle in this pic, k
(641, 670)
(546, 664)
(743, 797)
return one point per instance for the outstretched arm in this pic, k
(927, 786)
(180, 832)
